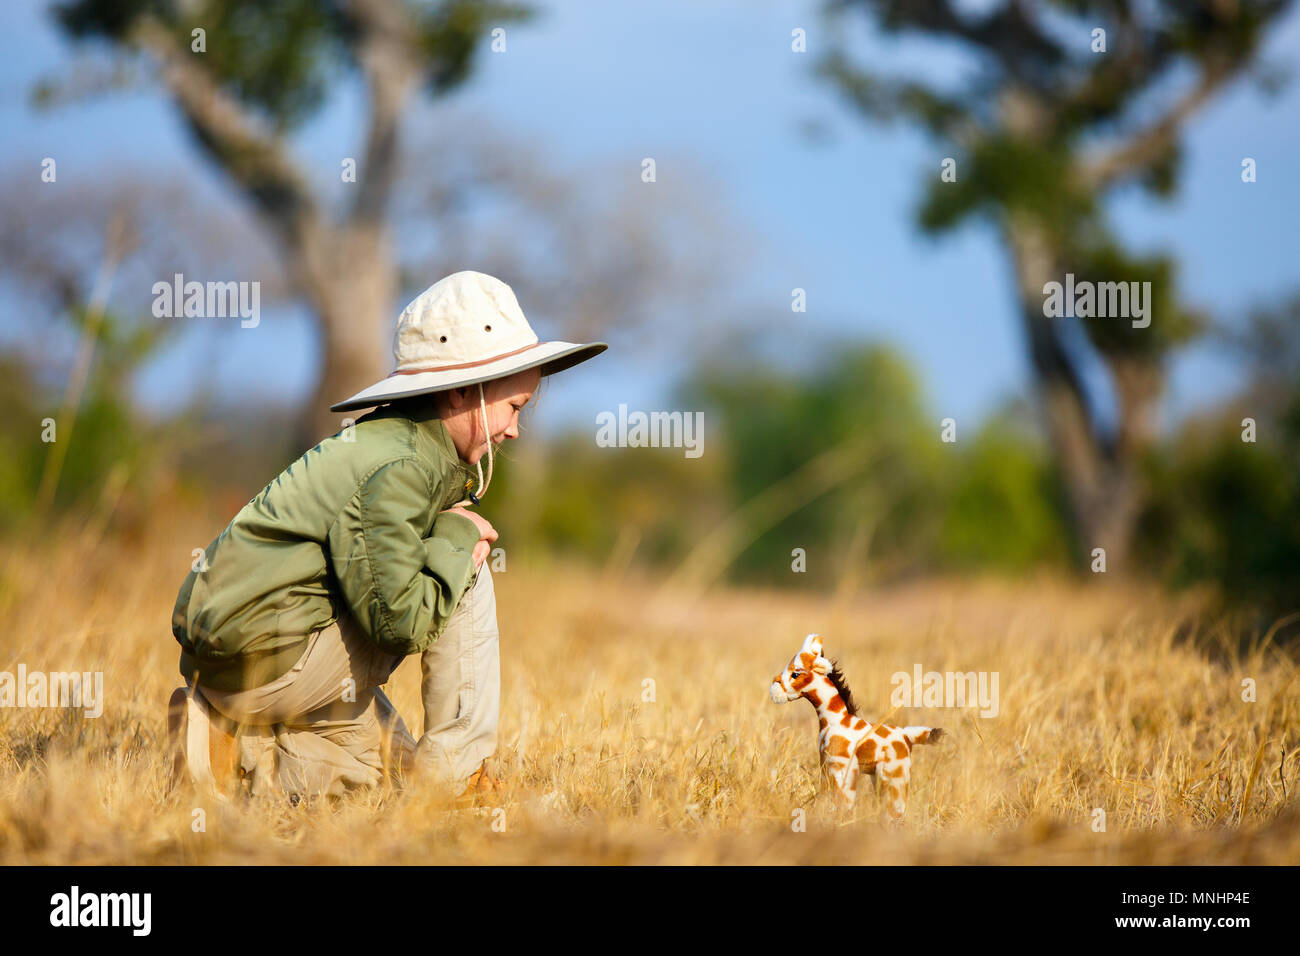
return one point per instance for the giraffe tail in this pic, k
(924, 735)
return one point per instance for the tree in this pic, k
(77, 262)
(1049, 127)
(256, 72)
(1225, 499)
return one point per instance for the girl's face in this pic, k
(505, 399)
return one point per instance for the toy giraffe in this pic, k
(848, 744)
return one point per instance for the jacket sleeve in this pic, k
(401, 587)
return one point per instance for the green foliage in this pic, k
(106, 433)
(772, 425)
(586, 498)
(1000, 508)
(110, 19)
(280, 58)
(1008, 175)
(916, 504)
(449, 33)
(1172, 323)
(277, 56)
(22, 453)
(1227, 512)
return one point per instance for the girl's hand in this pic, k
(485, 529)
(487, 534)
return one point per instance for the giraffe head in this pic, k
(803, 670)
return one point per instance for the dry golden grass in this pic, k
(1111, 698)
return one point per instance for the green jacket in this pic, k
(353, 526)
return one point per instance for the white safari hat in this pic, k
(464, 330)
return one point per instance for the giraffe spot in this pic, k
(882, 731)
(838, 747)
(899, 749)
(815, 698)
(897, 771)
(836, 704)
(844, 721)
(909, 741)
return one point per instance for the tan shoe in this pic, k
(204, 748)
(480, 787)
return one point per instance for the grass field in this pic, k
(1113, 698)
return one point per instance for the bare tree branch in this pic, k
(1008, 33)
(252, 155)
(1147, 148)
(886, 100)
(392, 70)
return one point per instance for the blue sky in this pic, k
(716, 82)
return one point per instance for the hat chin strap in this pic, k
(482, 487)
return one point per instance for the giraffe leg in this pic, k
(852, 772)
(843, 773)
(895, 775)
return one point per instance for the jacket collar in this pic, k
(460, 477)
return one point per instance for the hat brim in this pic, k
(551, 357)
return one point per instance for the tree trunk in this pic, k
(1099, 474)
(350, 279)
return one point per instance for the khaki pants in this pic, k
(326, 726)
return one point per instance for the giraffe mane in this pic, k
(836, 677)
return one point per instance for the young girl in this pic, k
(359, 553)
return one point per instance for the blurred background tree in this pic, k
(62, 253)
(349, 251)
(261, 71)
(1225, 502)
(1053, 120)
(846, 462)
